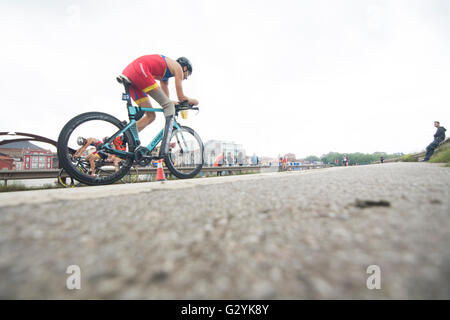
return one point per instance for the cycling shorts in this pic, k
(101, 155)
(142, 72)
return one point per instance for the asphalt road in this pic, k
(291, 235)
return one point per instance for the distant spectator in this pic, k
(230, 162)
(220, 161)
(229, 159)
(439, 136)
(284, 163)
(381, 159)
(345, 161)
(240, 159)
(254, 160)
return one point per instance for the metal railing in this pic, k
(6, 175)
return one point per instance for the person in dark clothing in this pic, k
(345, 161)
(439, 136)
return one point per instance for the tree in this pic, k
(357, 157)
(312, 158)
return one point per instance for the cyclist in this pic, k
(85, 143)
(92, 157)
(143, 72)
(284, 164)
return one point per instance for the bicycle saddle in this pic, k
(123, 79)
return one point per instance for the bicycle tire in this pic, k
(62, 181)
(187, 172)
(132, 176)
(65, 157)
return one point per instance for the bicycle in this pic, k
(102, 167)
(62, 180)
(184, 148)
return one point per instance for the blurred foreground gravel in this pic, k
(286, 236)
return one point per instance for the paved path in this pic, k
(272, 236)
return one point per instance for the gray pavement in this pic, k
(264, 236)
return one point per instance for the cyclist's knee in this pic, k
(164, 101)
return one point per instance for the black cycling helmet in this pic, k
(183, 61)
(81, 141)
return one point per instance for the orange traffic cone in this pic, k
(160, 172)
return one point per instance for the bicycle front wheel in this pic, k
(185, 158)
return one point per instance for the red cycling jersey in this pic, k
(142, 72)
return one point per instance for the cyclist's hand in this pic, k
(193, 101)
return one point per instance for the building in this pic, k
(6, 162)
(28, 156)
(268, 161)
(189, 157)
(290, 156)
(231, 152)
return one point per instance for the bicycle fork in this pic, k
(164, 150)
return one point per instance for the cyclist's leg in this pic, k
(142, 101)
(169, 113)
(162, 99)
(168, 109)
(116, 161)
(91, 158)
(148, 117)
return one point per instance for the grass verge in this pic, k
(409, 158)
(442, 155)
(22, 187)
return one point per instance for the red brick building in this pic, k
(290, 156)
(6, 162)
(28, 156)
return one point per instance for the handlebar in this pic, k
(185, 105)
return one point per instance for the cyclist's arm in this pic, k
(80, 151)
(179, 87)
(91, 158)
(165, 87)
(91, 141)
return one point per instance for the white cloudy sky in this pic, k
(306, 77)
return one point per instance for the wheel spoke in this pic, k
(186, 153)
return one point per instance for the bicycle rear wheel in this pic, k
(132, 176)
(185, 158)
(96, 125)
(67, 181)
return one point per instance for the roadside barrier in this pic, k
(6, 175)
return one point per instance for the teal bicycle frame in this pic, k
(132, 111)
